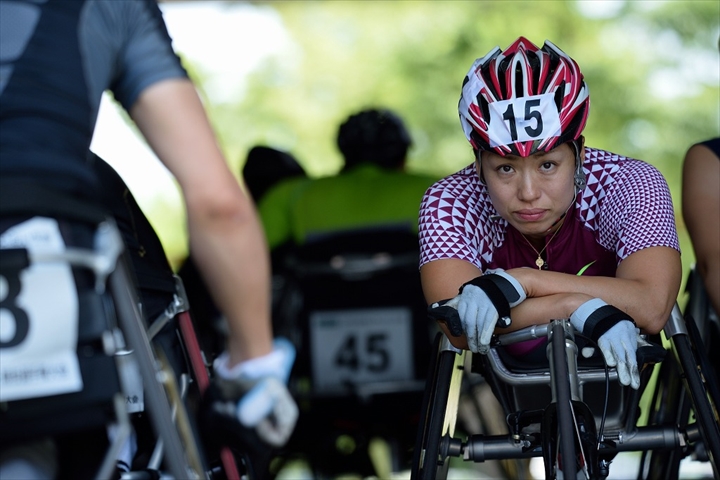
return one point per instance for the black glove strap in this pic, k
(602, 320)
(494, 287)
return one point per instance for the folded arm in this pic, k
(645, 287)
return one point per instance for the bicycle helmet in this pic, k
(523, 100)
(374, 135)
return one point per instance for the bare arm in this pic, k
(441, 280)
(226, 238)
(701, 212)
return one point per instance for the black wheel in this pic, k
(708, 373)
(563, 457)
(670, 404)
(427, 462)
(700, 381)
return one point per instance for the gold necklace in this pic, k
(540, 262)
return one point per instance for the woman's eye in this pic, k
(547, 165)
(505, 169)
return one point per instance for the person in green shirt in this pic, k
(367, 212)
(372, 192)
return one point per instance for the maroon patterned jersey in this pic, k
(625, 207)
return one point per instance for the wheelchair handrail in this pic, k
(535, 378)
(532, 332)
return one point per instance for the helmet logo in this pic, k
(523, 119)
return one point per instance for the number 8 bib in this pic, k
(38, 317)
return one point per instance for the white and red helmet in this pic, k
(523, 100)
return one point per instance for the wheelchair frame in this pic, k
(436, 442)
(341, 268)
(180, 428)
(177, 449)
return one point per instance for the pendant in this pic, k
(540, 263)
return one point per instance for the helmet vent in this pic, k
(559, 94)
(519, 80)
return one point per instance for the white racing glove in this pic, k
(616, 336)
(482, 303)
(254, 393)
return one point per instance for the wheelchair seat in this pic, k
(353, 305)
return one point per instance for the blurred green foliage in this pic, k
(652, 69)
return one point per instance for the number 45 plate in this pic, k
(351, 347)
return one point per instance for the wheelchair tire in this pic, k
(697, 371)
(426, 464)
(670, 404)
(708, 373)
(565, 432)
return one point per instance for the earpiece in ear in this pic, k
(579, 177)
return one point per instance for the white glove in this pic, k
(481, 303)
(616, 336)
(263, 401)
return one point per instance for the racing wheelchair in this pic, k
(79, 361)
(352, 304)
(572, 412)
(67, 389)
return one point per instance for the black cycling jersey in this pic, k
(57, 59)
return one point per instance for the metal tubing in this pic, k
(532, 332)
(480, 448)
(536, 378)
(650, 438)
(675, 324)
(157, 402)
(445, 345)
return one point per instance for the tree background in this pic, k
(653, 69)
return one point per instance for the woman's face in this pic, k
(533, 192)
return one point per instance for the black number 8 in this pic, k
(22, 321)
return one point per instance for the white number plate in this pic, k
(38, 319)
(360, 346)
(523, 119)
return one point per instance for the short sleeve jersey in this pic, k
(625, 207)
(56, 60)
(363, 198)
